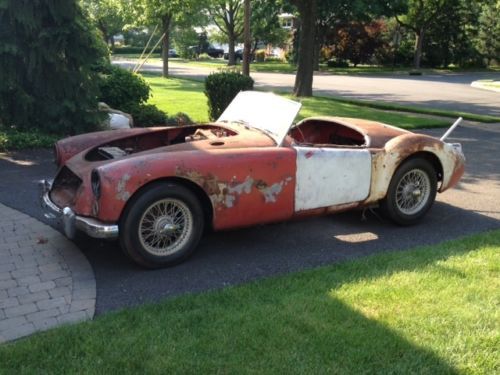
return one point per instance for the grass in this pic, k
(426, 111)
(431, 310)
(180, 95)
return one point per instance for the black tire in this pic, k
(411, 192)
(162, 225)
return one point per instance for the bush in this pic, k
(145, 115)
(179, 119)
(337, 64)
(204, 57)
(260, 55)
(13, 139)
(221, 88)
(47, 50)
(123, 89)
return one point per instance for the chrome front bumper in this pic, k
(71, 222)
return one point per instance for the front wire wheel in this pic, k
(165, 226)
(411, 192)
(162, 225)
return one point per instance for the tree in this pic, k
(420, 16)
(108, 16)
(488, 40)
(336, 14)
(48, 49)
(307, 26)
(265, 23)
(166, 13)
(227, 15)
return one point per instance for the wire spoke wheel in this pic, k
(165, 226)
(413, 191)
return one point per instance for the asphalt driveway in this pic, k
(248, 254)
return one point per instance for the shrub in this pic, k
(260, 55)
(221, 88)
(145, 115)
(121, 89)
(13, 139)
(204, 57)
(47, 49)
(337, 64)
(179, 119)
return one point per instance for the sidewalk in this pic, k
(45, 281)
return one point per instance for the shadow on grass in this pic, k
(288, 324)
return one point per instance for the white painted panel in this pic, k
(330, 176)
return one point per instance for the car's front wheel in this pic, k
(161, 226)
(411, 192)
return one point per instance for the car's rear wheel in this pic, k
(411, 192)
(162, 225)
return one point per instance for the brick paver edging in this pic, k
(45, 281)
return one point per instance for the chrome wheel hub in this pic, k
(165, 226)
(413, 191)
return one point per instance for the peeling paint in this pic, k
(121, 193)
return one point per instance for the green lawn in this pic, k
(179, 95)
(431, 310)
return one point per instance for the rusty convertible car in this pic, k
(156, 189)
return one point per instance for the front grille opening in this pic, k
(64, 188)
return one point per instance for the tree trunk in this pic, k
(165, 43)
(418, 48)
(112, 41)
(304, 77)
(247, 40)
(231, 42)
(317, 52)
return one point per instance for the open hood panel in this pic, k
(267, 112)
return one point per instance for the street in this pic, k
(450, 91)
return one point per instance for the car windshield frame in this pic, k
(267, 112)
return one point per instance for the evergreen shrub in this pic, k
(221, 88)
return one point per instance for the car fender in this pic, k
(244, 186)
(447, 161)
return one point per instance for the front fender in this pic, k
(245, 186)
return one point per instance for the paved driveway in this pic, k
(248, 254)
(442, 91)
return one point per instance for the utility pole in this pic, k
(247, 39)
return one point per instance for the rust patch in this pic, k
(225, 194)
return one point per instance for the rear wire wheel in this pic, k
(411, 192)
(162, 225)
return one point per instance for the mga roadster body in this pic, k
(156, 189)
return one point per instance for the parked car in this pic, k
(210, 51)
(238, 55)
(156, 189)
(172, 53)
